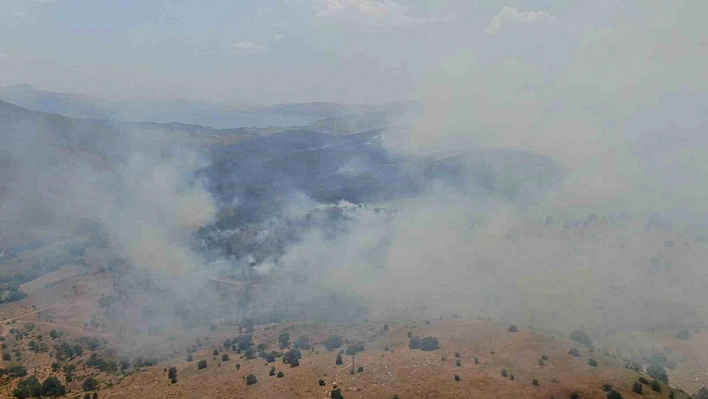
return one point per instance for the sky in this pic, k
(352, 51)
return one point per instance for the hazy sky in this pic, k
(366, 51)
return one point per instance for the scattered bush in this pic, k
(683, 333)
(292, 357)
(280, 374)
(457, 354)
(476, 361)
(251, 379)
(360, 369)
(201, 365)
(28, 388)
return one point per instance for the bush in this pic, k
(272, 371)
(172, 372)
(592, 362)
(504, 373)
(574, 395)
(429, 344)
(251, 379)
(702, 394)
(339, 359)
(89, 384)
(17, 370)
(457, 377)
(322, 383)
(190, 358)
(574, 352)
(414, 343)
(457, 354)
(534, 382)
(280, 374)
(334, 342)
(581, 336)
(336, 394)
(360, 369)
(637, 387)
(224, 357)
(513, 328)
(292, 357)
(476, 360)
(458, 363)
(658, 373)
(683, 333)
(201, 365)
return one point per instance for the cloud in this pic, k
(246, 45)
(514, 16)
(278, 37)
(386, 12)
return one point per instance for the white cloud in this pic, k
(378, 11)
(246, 45)
(514, 16)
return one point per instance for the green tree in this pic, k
(53, 387)
(89, 384)
(28, 388)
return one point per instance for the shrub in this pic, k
(683, 333)
(339, 359)
(544, 357)
(643, 380)
(190, 358)
(360, 369)
(334, 342)
(336, 394)
(513, 329)
(322, 383)
(272, 371)
(280, 374)
(251, 379)
(457, 354)
(658, 373)
(429, 344)
(574, 395)
(504, 373)
(172, 372)
(574, 352)
(476, 361)
(238, 366)
(607, 387)
(534, 382)
(581, 336)
(702, 394)
(17, 370)
(173, 380)
(216, 352)
(511, 377)
(414, 343)
(89, 384)
(637, 387)
(224, 357)
(444, 359)
(292, 357)
(458, 363)
(457, 377)
(592, 362)
(201, 365)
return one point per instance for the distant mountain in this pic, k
(182, 110)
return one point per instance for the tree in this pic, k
(292, 357)
(190, 357)
(52, 387)
(574, 352)
(656, 386)
(28, 388)
(201, 365)
(354, 349)
(89, 384)
(251, 379)
(429, 344)
(612, 394)
(582, 337)
(272, 371)
(339, 359)
(574, 395)
(458, 363)
(683, 333)
(592, 362)
(336, 394)
(637, 387)
(658, 373)
(172, 372)
(457, 377)
(284, 340)
(17, 370)
(504, 373)
(334, 342)
(414, 343)
(280, 374)
(224, 357)
(322, 383)
(303, 342)
(534, 382)
(702, 394)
